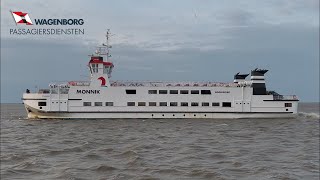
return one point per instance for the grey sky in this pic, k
(168, 40)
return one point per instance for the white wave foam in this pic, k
(222, 125)
(309, 115)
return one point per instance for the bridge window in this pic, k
(287, 104)
(97, 103)
(184, 104)
(163, 92)
(205, 92)
(86, 103)
(173, 91)
(184, 92)
(106, 69)
(215, 104)
(152, 104)
(42, 103)
(152, 91)
(163, 103)
(205, 104)
(131, 91)
(95, 68)
(131, 103)
(109, 103)
(226, 104)
(194, 91)
(194, 104)
(141, 103)
(173, 104)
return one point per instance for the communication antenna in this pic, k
(107, 45)
(104, 49)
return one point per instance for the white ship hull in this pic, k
(100, 98)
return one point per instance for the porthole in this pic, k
(41, 108)
(205, 115)
(194, 115)
(184, 115)
(286, 109)
(152, 115)
(172, 114)
(162, 114)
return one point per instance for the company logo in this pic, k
(21, 18)
(59, 22)
(103, 81)
(24, 18)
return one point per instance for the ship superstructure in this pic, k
(102, 98)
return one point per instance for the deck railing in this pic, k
(285, 97)
(79, 83)
(173, 84)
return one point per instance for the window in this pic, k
(173, 104)
(173, 91)
(287, 104)
(42, 103)
(131, 91)
(97, 103)
(109, 103)
(95, 68)
(215, 104)
(106, 69)
(205, 92)
(226, 104)
(184, 92)
(194, 91)
(194, 104)
(163, 103)
(141, 103)
(184, 104)
(131, 103)
(152, 104)
(163, 92)
(86, 103)
(152, 91)
(205, 104)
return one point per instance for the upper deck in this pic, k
(170, 84)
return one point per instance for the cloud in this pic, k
(164, 40)
(153, 25)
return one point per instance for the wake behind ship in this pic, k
(102, 98)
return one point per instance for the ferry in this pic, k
(102, 98)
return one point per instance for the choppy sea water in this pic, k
(160, 149)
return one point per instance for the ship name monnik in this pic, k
(88, 91)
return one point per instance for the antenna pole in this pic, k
(104, 49)
(107, 37)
